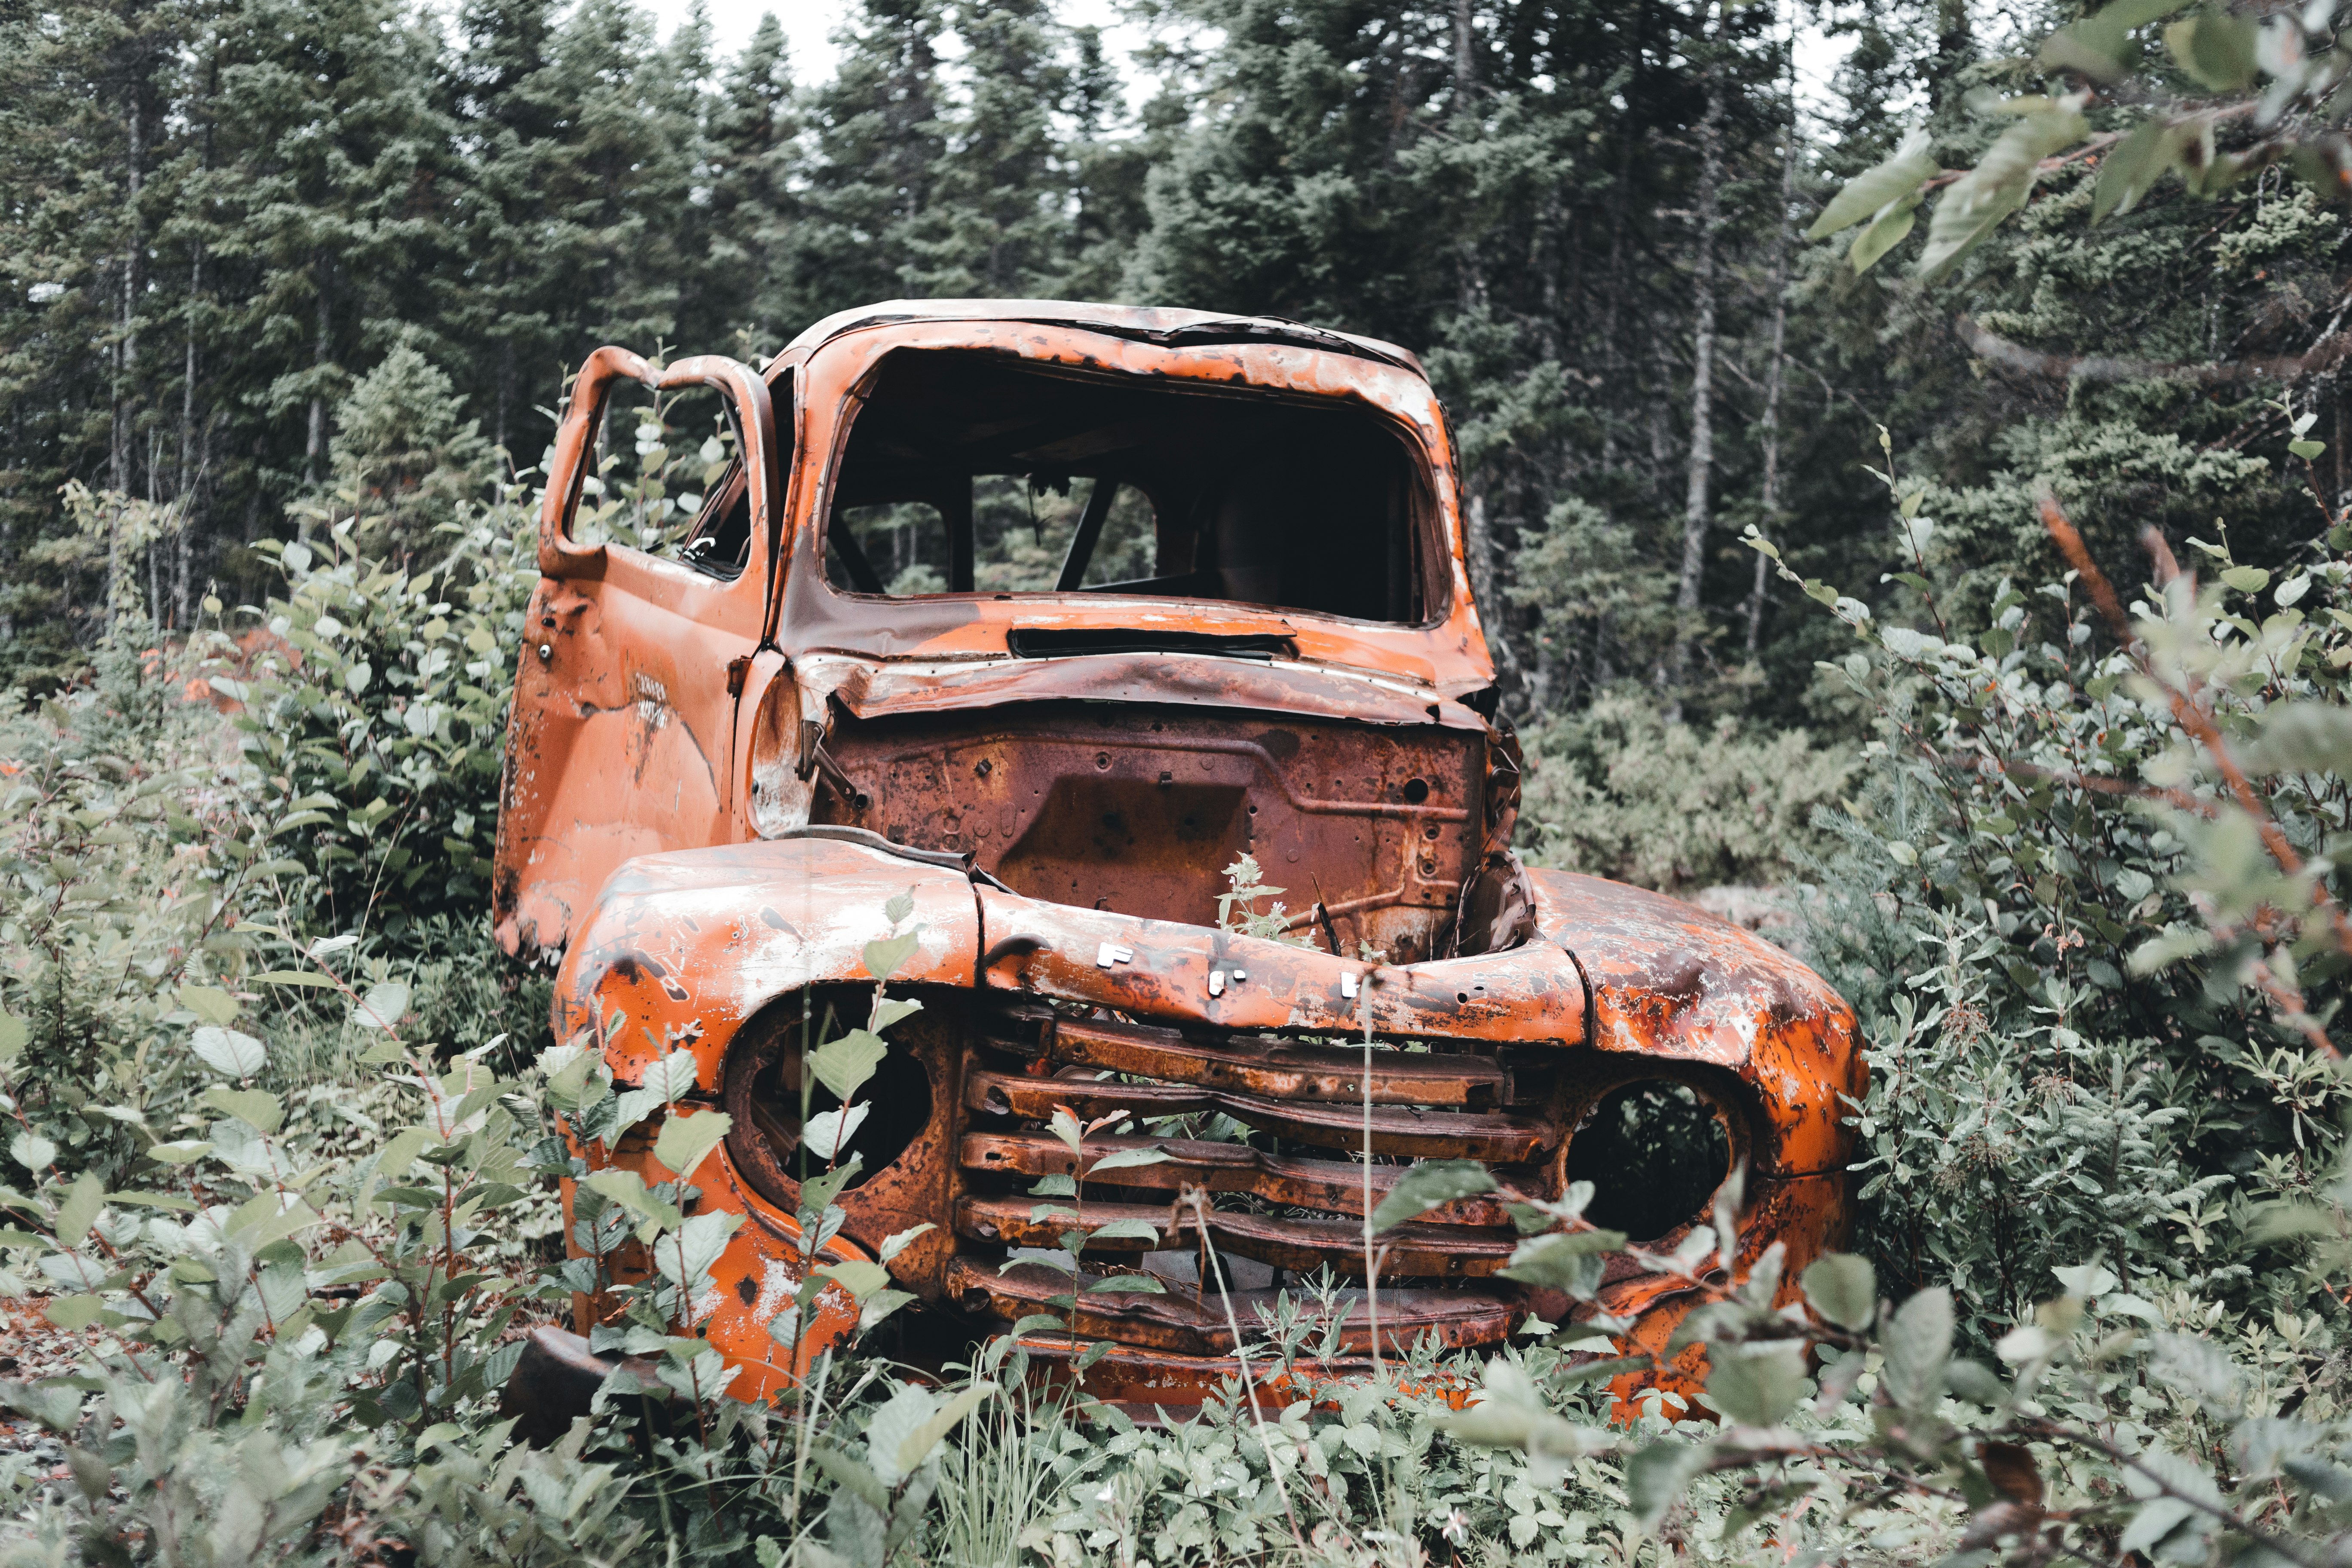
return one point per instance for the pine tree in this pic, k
(998, 220)
(878, 141)
(501, 94)
(331, 202)
(754, 138)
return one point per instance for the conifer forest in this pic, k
(1898, 454)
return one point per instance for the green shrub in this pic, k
(1620, 791)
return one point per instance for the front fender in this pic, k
(689, 945)
(681, 950)
(1670, 980)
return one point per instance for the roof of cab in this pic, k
(1162, 324)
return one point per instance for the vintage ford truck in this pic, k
(846, 682)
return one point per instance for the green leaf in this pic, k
(900, 906)
(857, 1277)
(917, 1445)
(2298, 738)
(295, 978)
(2094, 45)
(872, 1310)
(257, 1108)
(1873, 188)
(2213, 46)
(1568, 1260)
(1974, 1380)
(884, 957)
(1128, 1284)
(180, 1152)
(1884, 233)
(227, 1052)
(1978, 202)
(79, 1210)
(1126, 1159)
(386, 1005)
(2306, 450)
(1429, 1185)
(270, 1216)
(685, 1141)
(210, 1002)
(74, 1312)
(852, 1476)
(1918, 1344)
(1124, 1230)
(827, 1134)
(2133, 166)
(844, 1065)
(1757, 1383)
(1842, 1288)
(890, 1010)
(33, 1152)
(818, 1192)
(398, 1154)
(672, 1077)
(2247, 579)
(14, 1033)
(1655, 1478)
(899, 1241)
(2156, 1519)
(628, 1189)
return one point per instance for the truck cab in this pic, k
(1055, 618)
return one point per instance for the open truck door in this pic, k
(622, 738)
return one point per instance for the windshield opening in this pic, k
(966, 473)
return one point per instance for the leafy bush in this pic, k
(1620, 791)
(2093, 994)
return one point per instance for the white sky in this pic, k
(809, 24)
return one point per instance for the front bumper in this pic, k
(1030, 1005)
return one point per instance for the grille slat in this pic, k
(1404, 1131)
(1471, 1315)
(1303, 1245)
(1282, 1069)
(1332, 1185)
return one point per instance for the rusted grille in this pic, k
(1291, 1197)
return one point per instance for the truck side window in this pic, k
(715, 538)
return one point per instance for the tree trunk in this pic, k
(1776, 366)
(1478, 541)
(316, 447)
(127, 348)
(506, 391)
(1702, 436)
(1954, 45)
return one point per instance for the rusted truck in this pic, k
(853, 678)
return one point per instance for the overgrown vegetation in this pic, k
(284, 1129)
